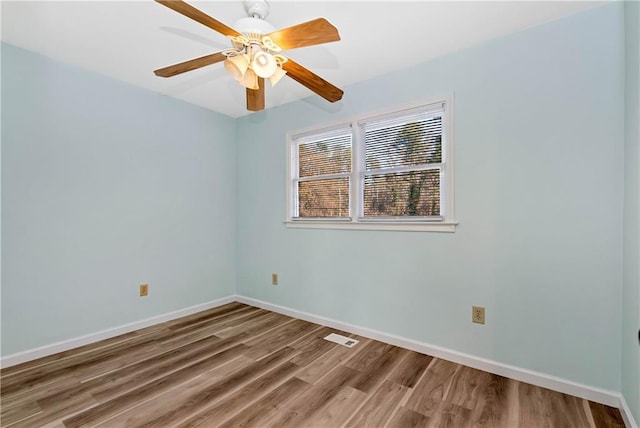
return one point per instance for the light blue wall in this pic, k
(106, 186)
(631, 273)
(539, 120)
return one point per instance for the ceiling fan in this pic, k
(256, 52)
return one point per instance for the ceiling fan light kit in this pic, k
(255, 54)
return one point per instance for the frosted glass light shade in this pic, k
(237, 66)
(276, 76)
(264, 64)
(250, 80)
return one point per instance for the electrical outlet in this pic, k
(274, 279)
(144, 289)
(477, 314)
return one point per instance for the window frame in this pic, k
(444, 223)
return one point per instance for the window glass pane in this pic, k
(412, 143)
(324, 198)
(415, 193)
(326, 156)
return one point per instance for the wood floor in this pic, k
(240, 366)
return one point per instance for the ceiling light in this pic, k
(264, 64)
(237, 66)
(250, 80)
(276, 76)
(252, 57)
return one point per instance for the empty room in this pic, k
(320, 214)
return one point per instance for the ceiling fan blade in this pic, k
(312, 81)
(193, 13)
(306, 34)
(192, 64)
(255, 97)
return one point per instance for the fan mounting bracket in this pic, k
(256, 8)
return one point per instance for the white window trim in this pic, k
(446, 224)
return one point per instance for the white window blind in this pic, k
(403, 166)
(322, 179)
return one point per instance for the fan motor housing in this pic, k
(253, 26)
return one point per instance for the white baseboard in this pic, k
(627, 416)
(610, 398)
(43, 351)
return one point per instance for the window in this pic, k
(323, 174)
(387, 171)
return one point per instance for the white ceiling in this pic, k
(127, 40)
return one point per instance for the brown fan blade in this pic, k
(193, 13)
(312, 81)
(306, 34)
(192, 64)
(255, 97)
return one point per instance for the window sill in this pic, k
(398, 226)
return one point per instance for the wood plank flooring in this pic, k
(240, 366)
